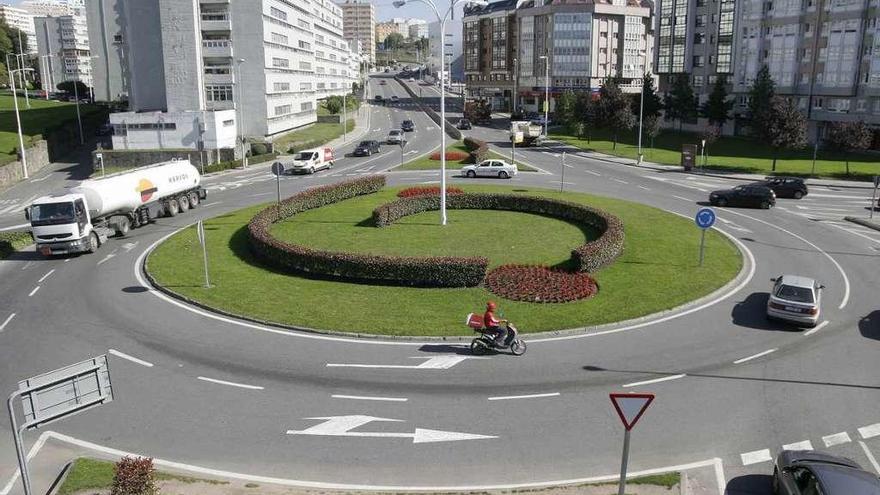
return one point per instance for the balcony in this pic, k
(213, 78)
(218, 21)
(217, 48)
(220, 105)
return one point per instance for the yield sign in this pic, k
(630, 407)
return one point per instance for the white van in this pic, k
(310, 161)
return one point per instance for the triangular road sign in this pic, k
(630, 407)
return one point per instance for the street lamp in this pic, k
(47, 65)
(442, 20)
(642, 105)
(76, 96)
(515, 85)
(240, 107)
(546, 59)
(18, 118)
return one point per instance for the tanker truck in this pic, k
(81, 218)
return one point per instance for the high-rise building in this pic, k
(53, 8)
(359, 23)
(198, 73)
(417, 28)
(383, 29)
(453, 48)
(63, 49)
(23, 21)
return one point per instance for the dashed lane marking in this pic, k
(615, 179)
(231, 384)
(44, 277)
(593, 173)
(34, 291)
(6, 321)
(683, 199)
(870, 457)
(836, 439)
(755, 457)
(754, 356)
(815, 329)
(130, 358)
(645, 188)
(361, 397)
(805, 445)
(532, 396)
(870, 431)
(656, 380)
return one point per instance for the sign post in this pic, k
(402, 144)
(278, 170)
(874, 196)
(704, 219)
(630, 408)
(562, 180)
(200, 231)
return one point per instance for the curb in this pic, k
(61, 478)
(864, 223)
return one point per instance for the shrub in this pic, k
(133, 476)
(539, 284)
(426, 191)
(216, 167)
(451, 155)
(13, 241)
(260, 148)
(478, 149)
(472, 144)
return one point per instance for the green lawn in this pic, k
(35, 121)
(92, 474)
(426, 163)
(315, 135)
(734, 154)
(657, 271)
(13, 241)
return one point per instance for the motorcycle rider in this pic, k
(492, 324)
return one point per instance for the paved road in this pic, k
(208, 391)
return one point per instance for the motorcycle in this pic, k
(486, 341)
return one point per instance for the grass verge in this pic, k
(315, 135)
(733, 154)
(657, 271)
(92, 474)
(426, 163)
(11, 242)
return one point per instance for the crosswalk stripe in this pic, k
(805, 445)
(749, 458)
(836, 439)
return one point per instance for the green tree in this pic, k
(590, 113)
(761, 95)
(680, 104)
(651, 127)
(848, 137)
(653, 105)
(785, 128)
(615, 109)
(566, 109)
(394, 41)
(718, 106)
(4, 76)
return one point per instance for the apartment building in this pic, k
(198, 73)
(417, 28)
(53, 8)
(23, 21)
(521, 47)
(383, 29)
(453, 48)
(359, 23)
(63, 49)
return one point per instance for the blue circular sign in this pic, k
(705, 218)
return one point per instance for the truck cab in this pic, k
(60, 224)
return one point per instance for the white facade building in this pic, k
(22, 20)
(417, 28)
(453, 47)
(53, 8)
(63, 47)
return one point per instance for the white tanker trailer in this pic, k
(81, 218)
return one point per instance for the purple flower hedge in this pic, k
(539, 284)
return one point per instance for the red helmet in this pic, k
(490, 306)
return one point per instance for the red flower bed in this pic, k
(426, 191)
(532, 283)
(451, 155)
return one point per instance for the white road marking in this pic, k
(755, 457)
(594, 173)
(433, 363)
(128, 246)
(836, 439)
(815, 329)
(645, 188)
(212, 204)
(108, 257)
(34, 291)
(656, 380)
(339, 426)
(67, 260)
(870, 457)
(361, 397)
(27, 265)
(6, 322)
(41, 179)
(754, 356)
(870, 431)
(805, 445)
(615, 179)
(533, 396)
(683, 199)
(231, 384)
(50, 272)
(853, 232)
(130, 358)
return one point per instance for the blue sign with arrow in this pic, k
(705, 218)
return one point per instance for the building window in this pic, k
(305, 66)
(305, 86)
(280, 62)
(305, 107)
(281, 86)
(282, 110)
(305, 45)
(218, 92)
(698, 61)
(278, 13)
(279, 38)
(699, 38)
(228, 123)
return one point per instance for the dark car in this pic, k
(802, 472)
(463, 124)
(785, 187)
(366, 148)
(407, 126)
(755, 196)
(379, 99)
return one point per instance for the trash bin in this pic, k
(688, 155)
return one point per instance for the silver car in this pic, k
(490, 168)
(795, 299)
(395, 136)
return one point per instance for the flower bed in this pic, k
(539, 284)
(426, 191)
(456, 156)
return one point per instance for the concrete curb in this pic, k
(864, 223)
(61, 478)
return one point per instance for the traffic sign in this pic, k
(705, 218)
(630, 407)
(278, 168)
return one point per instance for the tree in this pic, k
(681, 104)
(651, 127)
(717, 108)
(615, 109)
(590, 114)
(394, 41)
(848, 137)
(68, 87)
(784, 126)
(652, 104)
(566, 107)
(760, 98)
(4, 76)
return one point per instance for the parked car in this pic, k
(379, 99)
(755, 196)
(785, 187)
(796, 299)
(367, 148)
(803, 472)
(310, 161)
(490, 168)
(407, 126)
(463, 124)
(395, 136)
(394, 99)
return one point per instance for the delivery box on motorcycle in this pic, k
(475, 321)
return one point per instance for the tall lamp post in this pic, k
(18, 119)
(546, 59)
(76, 96)
(47, 65)
(642, 105)
(240, 106)
(442, 20)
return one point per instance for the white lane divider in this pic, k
(615, 179)
(108, 257)
(656, 380)
(593, 173)
(6, 321)
(50, 272)
(231, 384)
(754, 356)
(645, 188)
(34, 291)
(805, 445)
(755, 457)
(532, 396)
(870, 431)
(836, 439)
(683, 199)
(362, 397)
(815, 329)
(870, 457)
(130, 358)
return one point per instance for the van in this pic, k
(311, 161)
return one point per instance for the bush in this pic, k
(296, 147)
(426, 191)
(539, 284)
(478, 149)
(451, 155)
(216, 167)
(260, 148)
(13, 241)
(133, 476)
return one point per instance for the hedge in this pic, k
(13, 241)
(417, 271)
(587, 257)
(477, 148)
(539, 284)
(252, 160)
(451, 155)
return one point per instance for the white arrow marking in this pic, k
(339, 426)
(433, 363)
(128, 246)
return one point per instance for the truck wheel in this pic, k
(172, 208)
(94, 243)
(193, 199)
(183, 201)
(123, 226)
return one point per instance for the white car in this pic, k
(490, 168)
(412, 79)
(310, 161)
(795, 299)
(395, 136)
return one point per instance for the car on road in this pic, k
(367, 148)
(382, 82)
(755, 196)
(785, 187)
(387, 69)
(412, 79)
(811, 472)
(311, 161)
(379, 99)
(407, 126)
(463, 124)
(490, 168)
(395, 136)
(795, 299)
(395, 99)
